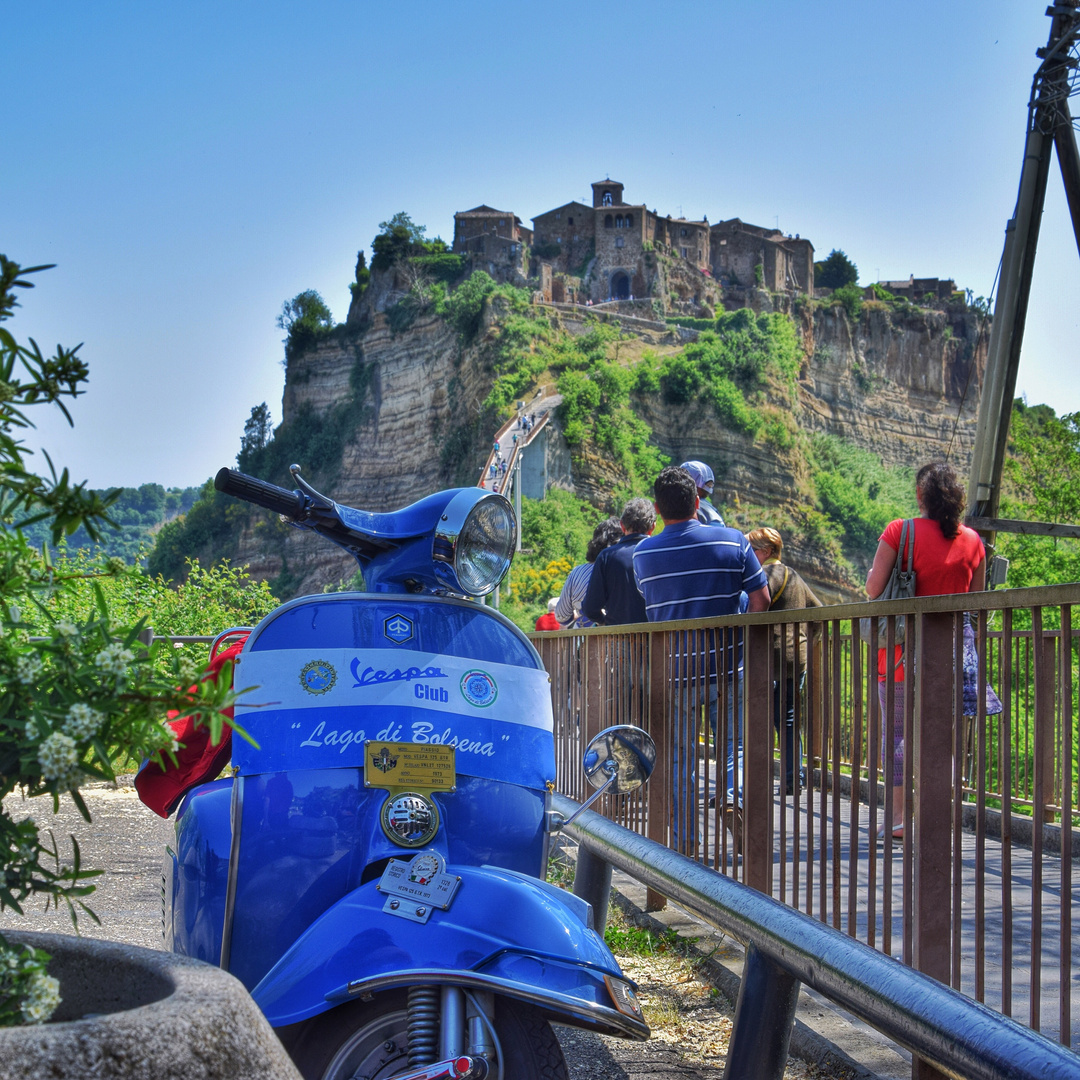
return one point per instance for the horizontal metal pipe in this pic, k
(991, 600)
(940, 1025)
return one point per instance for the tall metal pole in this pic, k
(517, 495)
(1048, 112)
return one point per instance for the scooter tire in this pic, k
(372, 1036)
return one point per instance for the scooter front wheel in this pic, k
(369, 1039)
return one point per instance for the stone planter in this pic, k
(141, 1014)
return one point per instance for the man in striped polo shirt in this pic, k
(694, 571)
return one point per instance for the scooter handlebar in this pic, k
(290, 504)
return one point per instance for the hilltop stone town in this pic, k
(624, 252)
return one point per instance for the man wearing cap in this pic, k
(691, 571)
(702, 475)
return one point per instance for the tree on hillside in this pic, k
(415, 234)
(1042, 483)
(304, 318)
(1043, 467)
(257, 430)
(835, 271)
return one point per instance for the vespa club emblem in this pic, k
(478, 688)
(318, 677)
(398, 628)
(383, 760)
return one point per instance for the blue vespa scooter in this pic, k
(373, 869)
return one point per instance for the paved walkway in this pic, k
(813, 885)
(512, 438)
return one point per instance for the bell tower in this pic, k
(607, 193)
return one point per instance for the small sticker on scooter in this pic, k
(318, 677)
(398, 628)
(416, 888)
(478, 688)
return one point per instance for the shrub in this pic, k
(850, 297)
(79, 692)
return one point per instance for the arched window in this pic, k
(607, 221)
(618, 221)
(607, 198)
(629, 221)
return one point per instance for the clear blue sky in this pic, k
(189, 167)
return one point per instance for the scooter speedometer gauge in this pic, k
(409, 819)
(474, 542)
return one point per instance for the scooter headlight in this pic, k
(474, 542)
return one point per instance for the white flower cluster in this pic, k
(41, 998)
(26, 992)
(27, 669)
(82, 722)
(65, 630)
(59, 759)
(114, 659)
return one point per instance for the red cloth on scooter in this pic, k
(162, 786)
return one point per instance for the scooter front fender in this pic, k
(504, 932)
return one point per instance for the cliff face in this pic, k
(903, 386)
(419, 389)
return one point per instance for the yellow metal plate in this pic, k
(409, 765)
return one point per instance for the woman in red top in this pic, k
(948, 558)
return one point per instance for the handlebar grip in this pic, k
(290, 504)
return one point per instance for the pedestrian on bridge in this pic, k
(948, 557)
(693, 571)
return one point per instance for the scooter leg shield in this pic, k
(503, 932)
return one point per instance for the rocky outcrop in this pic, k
(901, 384)
(420, 391)
(905, 387)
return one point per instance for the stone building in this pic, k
(919, 288)
(611, 251)
(494, 240)
(738, 248)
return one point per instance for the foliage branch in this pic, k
(78, 693)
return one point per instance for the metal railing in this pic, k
(978, 890)
(784, 948)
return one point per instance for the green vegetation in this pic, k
(1042, 483)
(78, 693)
(850, 298)
(835, 271)
(857, 494)
(305, 319)
(207, 602)
(136, 513)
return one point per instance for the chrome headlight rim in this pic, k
(447, 550)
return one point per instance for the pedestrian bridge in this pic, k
(979, 890)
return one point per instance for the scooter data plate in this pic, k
(415, 888)
(428, 766)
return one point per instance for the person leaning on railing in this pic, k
(948, 558)
(572, 597)
(787, 592)
(695, 571)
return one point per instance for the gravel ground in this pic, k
(691, 1022)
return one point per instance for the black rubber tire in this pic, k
(320, 1047)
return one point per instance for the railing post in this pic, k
(764, 1017)
(932, 761)
(757, 782)
(592, 883)
(659, 790)
(1044, 650)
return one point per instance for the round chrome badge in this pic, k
(410, 819)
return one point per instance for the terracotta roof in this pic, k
(483, 210)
